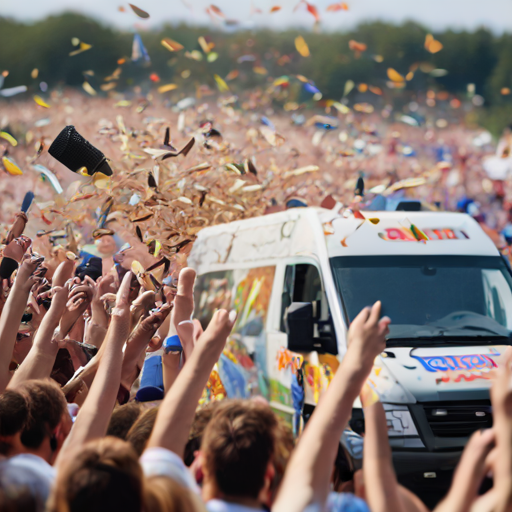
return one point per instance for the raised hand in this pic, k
(367, 336)
(29, 274)
(17, 228)
(183, 309)
(80, 297)
(40, 360)
(64, 272)
(139, 340)
(184, 300)
(141, 306)
(12, 255)
(176, 414)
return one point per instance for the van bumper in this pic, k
(426, 474)
(428, 464)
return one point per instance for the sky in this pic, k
(435, 14)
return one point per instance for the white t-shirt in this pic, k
(340, 502)
(162, 462)
(31, 471)
(225, 506)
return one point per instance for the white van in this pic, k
(441, 281)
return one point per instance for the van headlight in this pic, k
(399, 420)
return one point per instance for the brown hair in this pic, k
(139, 434)
(122, 419)
(163, 494)
(285, 443)
(104, 476)
(15, 499)
(201, 420)
(47, 404)
(13, 417)
(238, 444)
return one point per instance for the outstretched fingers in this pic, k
(219, 328)
(184, 300)
(124, 290)
(185, 331)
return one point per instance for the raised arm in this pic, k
(98, 324)
(94, 416)
(138, 341)
(501, 398)
(176, 413)
(12, 314)
(184, 306)
(40, 360)
(306, 481)
(383, 494)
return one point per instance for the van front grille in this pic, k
(458, 419)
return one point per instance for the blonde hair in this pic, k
(162, 494)
(104, 475)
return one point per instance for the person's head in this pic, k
(163, 494)
(237, 451)
(23, 487)
(48, 422)
(16, 499)
(103, 476)
(201, 420)
(139, 434)
(122, 419)
(13, 417)
(343, 472)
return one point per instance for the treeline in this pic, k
(479, 57)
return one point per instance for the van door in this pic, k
(301, 281)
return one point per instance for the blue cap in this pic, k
(172, 344)
(151, 380)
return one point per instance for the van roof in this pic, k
(315, 231)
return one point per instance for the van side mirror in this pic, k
(299, 322)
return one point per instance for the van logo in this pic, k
(402, 234)
(447, 363)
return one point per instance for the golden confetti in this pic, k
(108, 87)
(167, 88)
(101, 181)
(395, 76)
(432, 45)
(221, 84)
(87, 87)
(83, 48)
(301, 46)
(9, 138)
(203, 44)
(11, 167)
(41, 102)
(260, 70)
(171, 45)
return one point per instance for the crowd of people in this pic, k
(75, 434)
(90, 419)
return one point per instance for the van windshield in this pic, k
(441, 298)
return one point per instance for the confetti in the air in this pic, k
(139, 12)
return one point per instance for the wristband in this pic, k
(172, 344)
